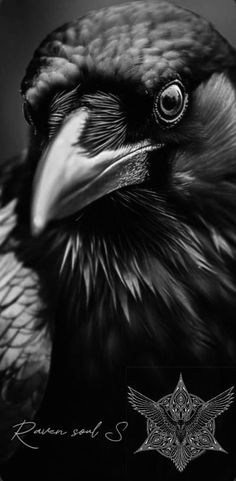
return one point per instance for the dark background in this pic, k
(24, 23)
(62, 458)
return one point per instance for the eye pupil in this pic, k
(170, 100)
(171, 103)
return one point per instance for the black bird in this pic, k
(118, 225)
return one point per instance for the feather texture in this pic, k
(146, 276)
(25, 337)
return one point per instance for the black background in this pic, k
(82, 457)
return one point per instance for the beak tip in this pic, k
(37, 225)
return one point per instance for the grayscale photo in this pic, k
(117, 240)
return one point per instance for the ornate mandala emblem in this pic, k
(181, 426)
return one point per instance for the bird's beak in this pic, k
(68, 178)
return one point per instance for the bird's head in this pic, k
(134, 116)
(119, 97)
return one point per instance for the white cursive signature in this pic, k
(26, 427)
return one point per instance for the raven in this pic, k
(118, 225)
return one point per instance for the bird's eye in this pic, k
(170, 104)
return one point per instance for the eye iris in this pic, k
(170, 104)
(171, 101)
